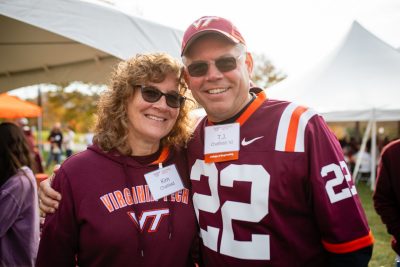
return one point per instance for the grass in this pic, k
(383, 255)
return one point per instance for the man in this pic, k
(284, 195)
(270, 184)
(387, 191)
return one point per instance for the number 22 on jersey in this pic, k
(259, 246)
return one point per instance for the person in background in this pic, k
(37, 163)
(19, 212)
(56, 139)
(126, 199)
(69, 141)
(387, 191)
(24, 125)
(88, 138)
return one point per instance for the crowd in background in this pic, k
(58, 145)
(351, 150)
(61, 145)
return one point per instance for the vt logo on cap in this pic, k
(203, 22)
(211, 24)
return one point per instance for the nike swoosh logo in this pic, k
(245, 143)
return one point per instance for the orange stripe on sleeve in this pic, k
(292, 130)
(351, 246)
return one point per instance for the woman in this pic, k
(108, 215)
(19, 213)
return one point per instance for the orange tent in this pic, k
(12, 107)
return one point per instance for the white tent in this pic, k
(361, 76)
(359, 81)
(45, 41)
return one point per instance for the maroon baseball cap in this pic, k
(211, 24)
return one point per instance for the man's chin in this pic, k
(218, 114)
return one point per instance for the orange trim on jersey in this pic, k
(293, 126)
(347, 247)
(221, 156)
(260, 97)
(252, 108)
(163, 156)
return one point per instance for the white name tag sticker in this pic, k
(164, 181)
(221, 142)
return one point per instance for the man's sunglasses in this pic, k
(223, 64)
(151, 94)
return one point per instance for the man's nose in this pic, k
(213, 73)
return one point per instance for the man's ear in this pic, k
(249, 62)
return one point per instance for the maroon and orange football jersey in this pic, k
(287, 201)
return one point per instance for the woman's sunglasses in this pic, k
(223, 64)
(151, 94)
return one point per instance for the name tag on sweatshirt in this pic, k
(164, 181)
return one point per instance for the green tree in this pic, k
(70, 107)
(265, 73)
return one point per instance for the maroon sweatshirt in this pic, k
(108, 217)
(387, 191)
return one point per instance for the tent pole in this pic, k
(362, 149)
(40, 122)
(373, 151)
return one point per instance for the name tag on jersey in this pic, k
(221, 142)
(164, 181)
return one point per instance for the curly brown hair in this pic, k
(14, 151)
(111, 129)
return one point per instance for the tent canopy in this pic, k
(360, 80)
(11, 107)
(47, 41)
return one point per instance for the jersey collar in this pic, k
(163, 156)
(260, 97)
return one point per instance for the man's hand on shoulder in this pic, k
(48, 198)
